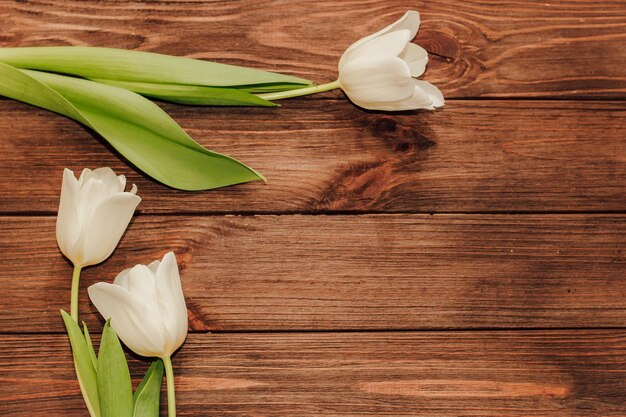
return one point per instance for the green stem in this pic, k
(171, 395)
(74, 293)
(300, 91)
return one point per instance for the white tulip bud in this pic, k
(146, 307)
(93, 214)
(377, 71)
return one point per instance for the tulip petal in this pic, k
(122, 181)
(425, 96)
(122, 279)
(96, 186)
(67, 227)
(389, 44)
(172, 300)
(419, 100)
(416, 57)
(83, 176)
(107, 224)
(376, 79)
(410, 21)
(433, 93)
(112, 182)
(142, 285)
(128, 318)
(93, 191)
(104, 179)
(154, 266)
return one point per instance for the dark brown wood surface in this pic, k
(320, 156)
(478, 48)
(378, 271)
(519, 373)
(465, 262)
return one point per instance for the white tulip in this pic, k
(377, 71)
(93, 214)
(146, 307)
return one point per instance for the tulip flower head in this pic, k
(93, 214)
(377, 72)
(146, 307)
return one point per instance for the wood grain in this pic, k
(477, 48)
(320, 156)
(344, 272)
(560, 373)
(321, 313)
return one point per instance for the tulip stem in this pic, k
(171, 396)
(300, 91)
(74, 293)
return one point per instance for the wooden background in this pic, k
(466, 262)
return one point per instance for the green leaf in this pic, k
(85, 371)
(125, 65)
(139, 129)
(271, 88)
(191, 94)
(114, 386)
(148, 394)
(92, 352)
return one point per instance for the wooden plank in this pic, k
(511, 48)
(344, 272)
(320, 156)
(561, 373)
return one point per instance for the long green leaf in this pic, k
(92, 352)
(85, 371)
(270, 88)
(191, 94)
(114, 386)
(125, 65)
(139, 129)
(148, 394)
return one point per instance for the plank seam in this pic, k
(244, 213)
(498, 98)
(374, 331)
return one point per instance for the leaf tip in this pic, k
(261, 176)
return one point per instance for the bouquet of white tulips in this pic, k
(105, 89)
(108, 89)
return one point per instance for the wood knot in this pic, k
(422, 141)
(440, 46)
(399, 137)
(384, 125)
(403, 147)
